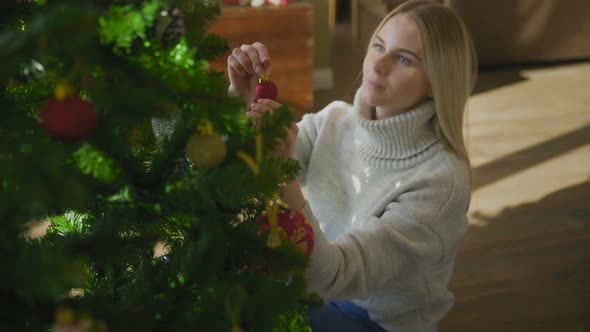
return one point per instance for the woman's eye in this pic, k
(404, 61)
(379, 47)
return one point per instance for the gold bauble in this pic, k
(206, 151)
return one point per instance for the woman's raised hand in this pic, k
(244, 66)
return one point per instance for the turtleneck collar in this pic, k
(398, 141)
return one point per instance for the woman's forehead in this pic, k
(400, 31)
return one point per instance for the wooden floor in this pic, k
(525, 262)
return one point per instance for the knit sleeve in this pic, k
(310, 127)
(304, 143)
(400, 242)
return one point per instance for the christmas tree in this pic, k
(146, 179)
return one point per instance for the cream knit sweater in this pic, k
(388, 204)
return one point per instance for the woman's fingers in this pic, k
(253, 115)
(251, 59)
(235, 65)
(254, 58)
(269, 102)
(257, 108)
(264, 56)
(256, 111)
(244, 66)
(243, 60)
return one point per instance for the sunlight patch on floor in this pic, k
(534, 183)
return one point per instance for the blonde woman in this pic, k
(387, 178)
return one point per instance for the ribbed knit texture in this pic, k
(388, 206)
(395, 141)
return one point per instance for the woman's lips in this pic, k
(373, 84)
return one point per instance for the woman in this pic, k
(387, 178)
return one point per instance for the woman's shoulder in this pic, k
(336, 106)
(445, 176)
(331, 114)
(444, 165)
(334, 109)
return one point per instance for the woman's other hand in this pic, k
(256, 111)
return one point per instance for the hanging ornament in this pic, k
(164, 123)
(282, 223)
(275, 234)
(67, 117)
(30, 71)
(170, 27)
(266, 89)
(206, 148)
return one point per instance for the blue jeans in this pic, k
(342, 316)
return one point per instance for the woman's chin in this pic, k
(370, 99)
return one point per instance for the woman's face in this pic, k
(394, 79)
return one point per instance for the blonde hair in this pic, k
(450, 63)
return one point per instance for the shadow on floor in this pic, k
(490, 79)
(526, 269)
(497, 76)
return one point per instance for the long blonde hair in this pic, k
(450, 64)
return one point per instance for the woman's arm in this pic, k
(292, 195)
(291, 192)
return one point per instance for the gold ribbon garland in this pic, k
(253, 164)
(233, 306)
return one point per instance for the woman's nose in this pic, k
(379, 65)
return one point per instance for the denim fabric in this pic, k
(342, 316)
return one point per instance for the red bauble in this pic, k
(266, 89)
(293, 226)
(71, 119)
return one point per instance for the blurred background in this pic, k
(525, 262)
